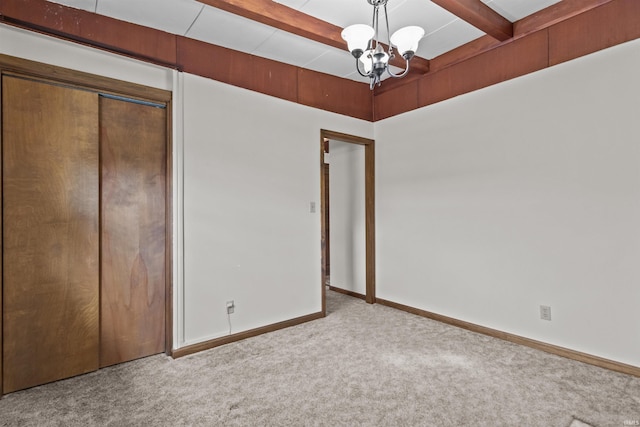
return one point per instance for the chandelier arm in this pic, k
(397, 76)
(360, 72)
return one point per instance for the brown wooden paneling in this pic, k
(274, 78)
(475, 47)
(605, 26)
(133, 172)
(97, 30)
(521, 56)
(397, 101)
(238, 68)
(50, 221)
(332, 93)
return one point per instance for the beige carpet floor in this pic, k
(363, 365)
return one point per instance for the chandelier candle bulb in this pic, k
(357, 37)
(406, 40)
(363, 42)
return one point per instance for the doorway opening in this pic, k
(326, 136)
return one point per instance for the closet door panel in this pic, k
(51, 238)
(133, 165)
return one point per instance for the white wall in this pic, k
(347, 216)
(252, 167)
(522, 194)
(246, 168)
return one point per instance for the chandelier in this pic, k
(364, 44)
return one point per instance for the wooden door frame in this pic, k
(10, 65)
(370, 206)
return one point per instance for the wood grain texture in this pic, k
(466, 51)
(370, 221)
(608, 25)
(391, 102)
(238, 69)
(133, 172)
(513, 59)
(480, 16)
(538, 345)
(334, 94)
(50, 221)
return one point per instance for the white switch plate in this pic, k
(545, 312)
(312, 207)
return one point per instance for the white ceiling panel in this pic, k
(228, 30)
(172, 16)
(515, 10)
(422, 13)
(447, 38)
(289, 48)
(340, 12)
(89, 5)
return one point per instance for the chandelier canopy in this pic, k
(364, 44)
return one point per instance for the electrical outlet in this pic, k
(545, 312)
(230, 307)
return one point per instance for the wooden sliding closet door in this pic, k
(133, 165)
(50, 220)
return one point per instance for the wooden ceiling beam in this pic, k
(295, 22)
(480, 16)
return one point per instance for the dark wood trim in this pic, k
(346, 292)
(370, 226)
(329, 134)
(480, 16)
(528, 342)
(228, 339)
(168, 293)
(1, 236)
(370, 220)
(57, 75)
(324, 188)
